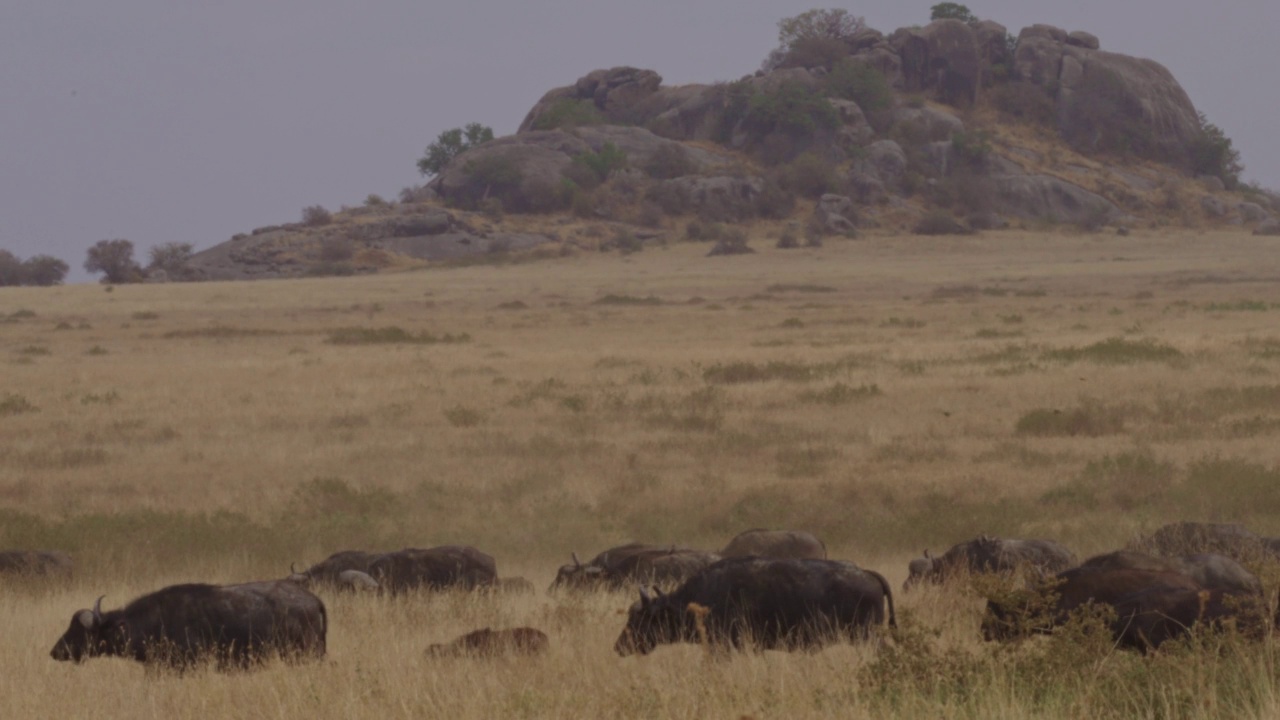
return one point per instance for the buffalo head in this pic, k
(652, 620)
(89, 634)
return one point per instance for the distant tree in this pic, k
(1213, 154)
(316, 215)
(952, 11)
(11, 272)
(450, 144)
(44, 270)
(172, 258)
(114, 259)
(812, 30)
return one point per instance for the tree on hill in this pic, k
(450, 144)
(172, 258)
(819, 33)
(952, 11)
(44, 270)
(114, 259)
(10, 269)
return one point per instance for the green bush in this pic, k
(1212, 154)
(791, 109)
(590, 169)
(450, 144)
(568, 113)
(855, 80)
(952, 11)
(669, 161)
(316, 215)
(810, 175)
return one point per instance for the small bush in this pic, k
(1090, 420)
(1118, 351)
(788, 240)
(852, 79)
(390, 335)
(463, 417)
(13, 404)
(336, 249)
(669, 161)
(775, 201)
(939, 222)
(840, 394)
(316, 215)
(373, 200)
(568, 113)
(733, 242)
(809, 175)
(612, 299)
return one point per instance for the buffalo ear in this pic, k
(87, 619)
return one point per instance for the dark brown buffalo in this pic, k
(762, 603)
(438, 568)
(329, 571)
(1211, 571)
(182, 625)
(1188, 538)
(775, 544)
(1050, 604)
(990, 555)
(1147, 619)
(493, 643)
(36, 563)
(633, 564)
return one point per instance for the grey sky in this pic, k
(162, 121)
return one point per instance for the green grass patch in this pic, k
(839, 394)
(219, 332)
(14, 404)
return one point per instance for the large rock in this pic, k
(1107, 102)
(640, 145)
(1051, 199)
(835, 214)
(1212, 206)
(855, 130)
(943, 56)
(885, 161)
(1270, 226)
(614, 92)
(720, 198)
(1252, 212)
(935, 124)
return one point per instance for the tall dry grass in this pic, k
(890, 394)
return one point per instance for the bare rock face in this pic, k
(1270, 227)
(1108, 101)
(944, 57)
(835, 214)
(1212, 206)
(1044, 197)
(721, 198)
(935, 124)
(885, 161)
(1252, 212)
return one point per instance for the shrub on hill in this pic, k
(569, 113)
(450, 144)
(857, 81)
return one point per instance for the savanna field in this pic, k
(887, 394)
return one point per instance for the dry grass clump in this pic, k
(233, 431)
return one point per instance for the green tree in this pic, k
(114, 259)
(1213, 154)
(813, 28)
(43, 271)
(952, 11)
(11, 272)
(171, 258)
(450, 144)
(861, 83)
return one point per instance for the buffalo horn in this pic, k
(644, 596)
(97, 609)
(576, 561)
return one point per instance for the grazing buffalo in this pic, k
(1148, 618)
(762, 603)
(1209, 570)
(780, 544)
(357, 581)
(329, 571)
(1184, 538)
(493, 643)
(990, 554)
(1051, 603)
(438, 568)
(634, 564)
(36, 563)
(182, 625)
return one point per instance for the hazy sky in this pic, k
(163, 120)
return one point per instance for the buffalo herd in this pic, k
(765, 589)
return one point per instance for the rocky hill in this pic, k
(947, 128)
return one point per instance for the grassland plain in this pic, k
(888, 394)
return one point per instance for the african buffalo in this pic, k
(1051, 603)
(633, 564)
(36, 563)
(437, 568)
(329, 571)
(492, 643)
(762, 603)
(1209, 570)
(1148, 618)
(182, 625)
(1182, 538)
(990, 554)
(775, 544)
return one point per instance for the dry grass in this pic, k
(873, 393)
